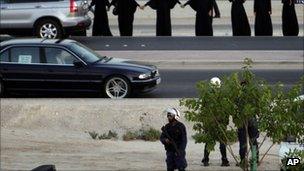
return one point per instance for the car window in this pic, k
(25, 55)
(4, 56)
(59, 56)
(85, 53)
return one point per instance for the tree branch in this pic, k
(266, 153)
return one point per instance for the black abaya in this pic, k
(163, 16)
(289, 18)
(125, 10)
(101, 22)
(203, 21)
(240, 24)
(263, 24)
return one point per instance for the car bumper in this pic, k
(144, 86)
(79, 25)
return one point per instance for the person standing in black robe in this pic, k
(240, 23)
(216, 10)
(163, 17)
(203, 20)
(289, 18)
(101, 22)
(125, 10)
(262, 12)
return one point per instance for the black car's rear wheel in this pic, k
(117, 87)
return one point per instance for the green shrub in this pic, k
(131, 136)
(147, 135)
(93, 134)
(293, 153)
(150, 135)
(109, 135)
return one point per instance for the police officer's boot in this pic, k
(225, 162)
(205, 161)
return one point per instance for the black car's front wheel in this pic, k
(117, 87)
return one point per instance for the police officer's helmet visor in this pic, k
(170, 115)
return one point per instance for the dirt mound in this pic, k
(99, 115)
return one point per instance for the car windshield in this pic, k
(85, 53)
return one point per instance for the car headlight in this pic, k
(157, 73)
(144, 76)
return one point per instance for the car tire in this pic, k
(117, 87)
(49, 29)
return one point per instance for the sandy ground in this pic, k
(53, 131)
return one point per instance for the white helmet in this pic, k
(215, 81)
(174, 112)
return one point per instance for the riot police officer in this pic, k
(174, 138)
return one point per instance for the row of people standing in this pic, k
(125, 10)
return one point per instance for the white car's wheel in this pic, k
(49, 29)
(117, 87)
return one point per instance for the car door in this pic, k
(18, 14)
(3, 17)
(21, 68)
(61, 73)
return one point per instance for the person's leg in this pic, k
(180, 161)
(205, 160)
(243, 142)
(225, 161)
(170, 161)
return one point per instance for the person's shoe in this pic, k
(217, 16)
(225, 163)
(205, 162)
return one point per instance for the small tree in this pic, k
(277, 112)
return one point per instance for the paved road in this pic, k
(181, 83)
(178, 83)
(193, 43)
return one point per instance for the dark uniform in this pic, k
(289, 18)
(163, 15)
(252, 130)
(203, 21)
(175, 160)
(253, 133)
(223, 153)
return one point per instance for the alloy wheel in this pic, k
(116, 88)
(48, 30)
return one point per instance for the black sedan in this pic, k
(68, 66)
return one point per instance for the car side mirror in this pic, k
(78, 64)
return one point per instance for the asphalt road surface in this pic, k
(181, 83)
(192, 43)
(178, 83)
